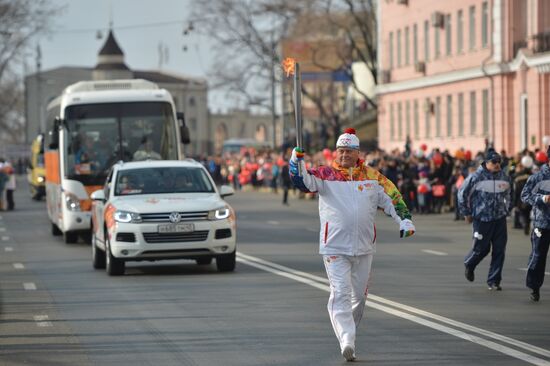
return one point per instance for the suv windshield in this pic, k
(101, 134)
(162, 180)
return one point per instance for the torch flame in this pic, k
(289, 66)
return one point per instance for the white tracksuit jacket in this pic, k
(347, 209)
(348, 201)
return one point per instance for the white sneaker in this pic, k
(349, 353)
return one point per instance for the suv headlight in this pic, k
(220, 213)
(126, 216)
(72, 202)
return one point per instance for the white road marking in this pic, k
(5, 238)
(42, 321)
(29, 286)
(525, 270)
(271, 222)
(434, 252)
(2, 229)
(18, 266)
(8, 249)
(322, 284)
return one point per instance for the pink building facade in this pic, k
(454, 74)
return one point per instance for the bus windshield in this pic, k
(101, 134)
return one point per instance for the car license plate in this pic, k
(176, 228)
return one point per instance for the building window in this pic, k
(485, 107)
(415, 43)
(473, 113)
(438, 117)
(192, 102)
(399, 121)
(461, 114)
(392, 123)
(484, 24)
(416, 121)
(407, 55)
(427, 113)
(426, 41)
(449, 115)
(391, 50)
(408, 119)
(448, 35)
(193, 124)
(437, 43)
(472, 27)
(459, 32)
(399, 48)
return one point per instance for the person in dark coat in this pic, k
(286, 182)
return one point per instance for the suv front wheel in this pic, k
(226, 262)
(114, 266)
(98, 255)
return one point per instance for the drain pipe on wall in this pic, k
(496, 6)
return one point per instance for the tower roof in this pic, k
(111, 46)
(110, 56)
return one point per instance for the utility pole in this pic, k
(41, 122)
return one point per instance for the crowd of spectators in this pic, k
(428, 179)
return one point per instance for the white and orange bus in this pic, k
(94, 124)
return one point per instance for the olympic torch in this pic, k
(291, 67)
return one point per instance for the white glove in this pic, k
(406, 228)
(296, 158)
(297, 154)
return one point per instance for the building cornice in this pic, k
(541, 62)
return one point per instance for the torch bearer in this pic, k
(291, 67)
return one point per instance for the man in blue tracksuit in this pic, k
(485, 199)
(536, 192)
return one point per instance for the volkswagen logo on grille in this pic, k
(175, 217)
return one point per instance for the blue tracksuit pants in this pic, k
(491, 237)
(540, 240)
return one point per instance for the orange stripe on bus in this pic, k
(51, 159)
(86, 205)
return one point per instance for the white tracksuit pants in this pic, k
(349, 278)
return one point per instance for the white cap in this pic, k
(348, 139)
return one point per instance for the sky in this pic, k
(73, 40)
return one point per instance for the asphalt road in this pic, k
(57, 310)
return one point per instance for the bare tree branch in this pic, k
(21, 21)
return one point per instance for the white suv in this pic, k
(156, 210)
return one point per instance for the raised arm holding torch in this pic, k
(291, 67)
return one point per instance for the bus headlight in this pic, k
(219, 214)
(72, 202)
(126, 216)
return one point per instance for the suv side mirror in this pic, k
(98, 195)
(226, 190)
(184, 130)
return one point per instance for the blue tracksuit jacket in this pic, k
(486, 196)
(537, 186)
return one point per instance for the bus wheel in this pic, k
(55, 230)
(70, 237)
(87, 237)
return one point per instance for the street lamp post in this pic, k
(273, 115)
